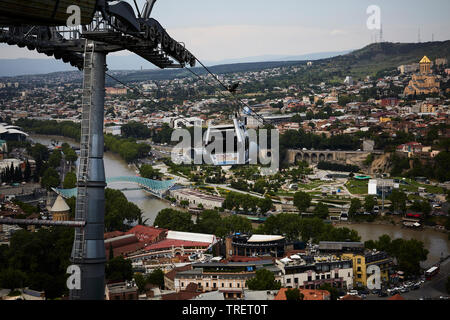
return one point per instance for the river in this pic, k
(437, 243)
(116, 167)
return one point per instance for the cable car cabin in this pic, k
(44, 12)
(219, 152)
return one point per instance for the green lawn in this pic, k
(413, 186)
(357, 186)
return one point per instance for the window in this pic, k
(182, 284)
(328, 276)
(214, 285)
(309, 278)
(288, 280)
(359, 269)
(223, 284)
(231, 285)
(238, 285)
(207, 284)
(359, 261)
(359, 276)
(295, 280)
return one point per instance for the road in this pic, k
(433, 288)
(430, 289)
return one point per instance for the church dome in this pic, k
(60, 205)
(425, 60)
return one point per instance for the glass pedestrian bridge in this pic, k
(155, 187)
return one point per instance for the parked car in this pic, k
(353, 293)
(383, 294)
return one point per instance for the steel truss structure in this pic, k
(109, 27)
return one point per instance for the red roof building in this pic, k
(308, 295)
(396, 297)
(148, 235)
(123, 245)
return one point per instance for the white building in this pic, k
(298, 272)
(114, 130)
(376, 186)
(195, 198)
(348, 81)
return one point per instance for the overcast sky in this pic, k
(216, 30)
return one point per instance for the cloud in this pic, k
(337, 32)
(231, 41)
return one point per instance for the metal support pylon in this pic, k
(88, 251)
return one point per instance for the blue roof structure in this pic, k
(154, 186)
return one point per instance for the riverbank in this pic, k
(436, 242)
(115, 166)
(392, 222)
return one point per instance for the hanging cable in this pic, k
(242, 103)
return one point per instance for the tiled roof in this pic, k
(171, 274)
(396, 297)
(146, 234)
(309, 295)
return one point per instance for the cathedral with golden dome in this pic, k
(424, 82)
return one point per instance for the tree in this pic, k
(265, 204)
(119, 211)
(398, 200)
(43, 256)
(69, 154)
(70, 181)
(294, 295)
(148, 172)
(55, 159)
(369, 203)
(421, 206)
(174, 220)
(136, 130)
(111, 251)
(12, 279)
(156, 278)
(208, 222)
(233, 224)
(184, 203)
(302, 200)
(260, 186)
(409, 253)
(288, 225)
(27, 172)
(141, 282)
(334, 294)
(355, 206)
(50, 179)
(119, 269)
(263, 280)
(321, 211)
(40, 152)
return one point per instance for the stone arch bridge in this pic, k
(316, 156)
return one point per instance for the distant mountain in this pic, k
(383, 56)
(272, 58)
(16, 67)
(366, 61)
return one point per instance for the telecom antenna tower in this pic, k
(106, 26)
